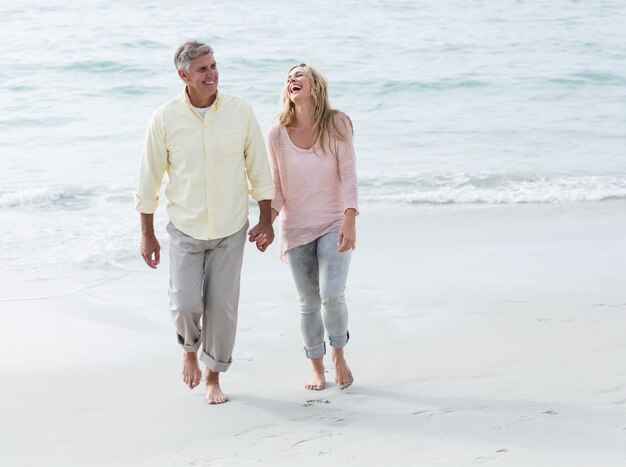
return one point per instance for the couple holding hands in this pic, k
(211, 148)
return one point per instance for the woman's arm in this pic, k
(346, 161)
(347, 234)
(278, 201)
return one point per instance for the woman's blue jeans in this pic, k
(320, 273)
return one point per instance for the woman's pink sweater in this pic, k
(313, 187)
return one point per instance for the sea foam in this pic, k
(511, 188)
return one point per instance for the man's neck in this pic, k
(200, 101)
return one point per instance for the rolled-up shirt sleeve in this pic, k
(152, 167)
(257, 165)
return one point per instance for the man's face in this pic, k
(202, 77)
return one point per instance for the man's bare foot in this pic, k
(318, 382)
(343, 375)
(213, 392)
(192, 374)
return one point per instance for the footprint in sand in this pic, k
(498, 453)
(611, 389)
(244, 359)
(430, 413)
(331, 419)
(525, 418)
(311, 402)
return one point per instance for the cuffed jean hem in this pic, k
(213, 364)
(339, 342)
(188, 347)
(316, 352)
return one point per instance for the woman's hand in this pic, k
(347, 234)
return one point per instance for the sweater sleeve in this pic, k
(346, 159)
(273, 150)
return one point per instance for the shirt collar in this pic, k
(215, 104)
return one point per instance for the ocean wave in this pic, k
(590, 78)
(134, 90)
(30, 122)
(144, 44)
(103, 66)
(399, 87)
(417, 188)
(491, 188)
(69, 197)
(445, 84)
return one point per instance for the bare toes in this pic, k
(197, 379)
(214, 394)
(315, 386)
(217, 400)
(344, 380)
(345, 385)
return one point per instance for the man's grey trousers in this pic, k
(204, 293)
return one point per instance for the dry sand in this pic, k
(480, 335)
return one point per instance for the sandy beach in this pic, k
(480, 335)
(487, 293)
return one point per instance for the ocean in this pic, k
(454, 103)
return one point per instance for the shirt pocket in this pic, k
(230, 143)
(185, 148)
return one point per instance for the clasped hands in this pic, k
(262, 234)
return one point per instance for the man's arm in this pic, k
(151, 172)
(150, 248)
(261, 184)
(263, 232)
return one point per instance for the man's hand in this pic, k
(150, 250)
(262, 234)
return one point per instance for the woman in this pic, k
(313, 167)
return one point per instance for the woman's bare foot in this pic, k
(343, 375)
(318, 382)
(192, 374)
(213, 392)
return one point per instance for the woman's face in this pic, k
(298, 84)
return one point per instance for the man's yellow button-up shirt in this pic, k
(213, 164)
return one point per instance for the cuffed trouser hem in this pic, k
(316, 352)
(188, 347)
(339, 342)
(213, 364)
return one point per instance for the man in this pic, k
(210, 145)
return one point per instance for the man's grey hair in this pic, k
(188, 51)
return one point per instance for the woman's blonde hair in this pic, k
(324, 116)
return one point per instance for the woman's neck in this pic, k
(304, 116)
